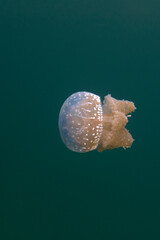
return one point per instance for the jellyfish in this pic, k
(85, 124)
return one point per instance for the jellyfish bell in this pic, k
(85, 124)
(81, 121)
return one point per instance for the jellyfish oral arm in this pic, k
(115, 114)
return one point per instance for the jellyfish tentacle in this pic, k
(115, 114)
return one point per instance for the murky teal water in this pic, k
(49, 50)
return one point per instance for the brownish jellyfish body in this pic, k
(85, 124)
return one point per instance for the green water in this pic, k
(49, 50)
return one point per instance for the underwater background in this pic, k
(50, 49)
